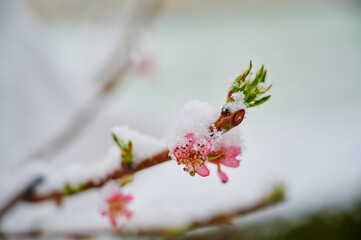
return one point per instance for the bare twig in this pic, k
(78, 123)
(275, 196)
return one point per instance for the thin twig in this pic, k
(80, 120)
(112, 73)
(274, 197)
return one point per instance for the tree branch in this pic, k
(118, 173)
(274, 197)
(232, 120)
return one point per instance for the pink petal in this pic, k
(191, 136)
(231, 151)
(128, 197)
(206, 148)
(179, 153)
(127, 213)
(191, 139)
(104, 213)
(230, 162)
(202, 171)
(223, 176)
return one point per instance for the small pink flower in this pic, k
(193, 153)
(227, 157)
(117, 206)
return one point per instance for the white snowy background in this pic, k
(307, 136)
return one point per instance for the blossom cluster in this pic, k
(195, 152)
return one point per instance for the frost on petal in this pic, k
(192, 153)
(191, 137)
(223, 176)
(202, 171)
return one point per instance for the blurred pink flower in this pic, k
(193, 154)
(117, 207)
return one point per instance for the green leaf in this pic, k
(127, 149)
(252, 89)
(127, 158)
(71, 190)
(276, 194)
(264, 90)
(127, 153)
(68, 189)
(242, 77)
(263, 77)
(260, 101)
(116, 140)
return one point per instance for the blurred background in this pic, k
(89, 65)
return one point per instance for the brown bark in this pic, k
(228, 121)
(58, 195)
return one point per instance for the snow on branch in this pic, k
(147, 152)
(199, 139)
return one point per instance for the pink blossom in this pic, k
(227, 157)
(117, 206)
(192, 153)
